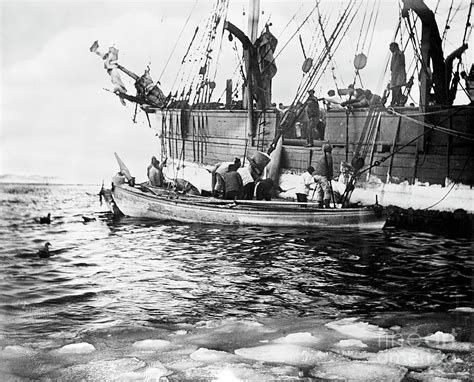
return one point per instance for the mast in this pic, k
(254, 14)
(431, 50)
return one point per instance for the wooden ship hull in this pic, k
(407, 154)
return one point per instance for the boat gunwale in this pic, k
(240, 206)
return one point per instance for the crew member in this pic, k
(399, 75)
(219, 169)
(322, 175)
(232, 183)
(312, 108)
(304, 185)
(155, 172)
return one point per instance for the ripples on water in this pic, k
(133, 272)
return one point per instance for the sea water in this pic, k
(132, 299)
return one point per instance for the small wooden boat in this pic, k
(162, 204)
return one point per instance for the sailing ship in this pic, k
(400, 146)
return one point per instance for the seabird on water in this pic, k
(45, 219)
(44, 253)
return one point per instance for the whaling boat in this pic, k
(157, 203)
(169, 205)
(404, 148)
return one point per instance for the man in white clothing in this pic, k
(304, 185)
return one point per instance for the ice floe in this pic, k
(297, 338)
(240, 372)
(16, 351)
(106, 370)
(210, 356)
(151, 344)
(359, 371)
(79, 348)
(350, 344)
(350, 327)
(288, 354)
(463, 309)
(353, 354)
(452, 346)
(411, 357)
(440, 337)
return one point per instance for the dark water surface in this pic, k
(111, 283)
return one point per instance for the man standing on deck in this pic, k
(399, 75)
(312, 108)
(322, 175)
(304, 185)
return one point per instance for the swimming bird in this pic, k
(45, 219)
(88, 219)
(44, 253)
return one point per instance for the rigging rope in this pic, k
(177, 40)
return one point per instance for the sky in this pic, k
(58, 120)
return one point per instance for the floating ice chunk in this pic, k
(106, 370)
(297, 338)
(289, 354)
(151, 344)
(452, 346)
(463, 309)
(350, 327)
(353, 354)
(15, 351)
(350, 344)
(439, 375)
(440, 337)
(239, 372)
(411, 357)
(359, 371)
(208, 355)
(80, 348)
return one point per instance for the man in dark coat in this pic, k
(323, 173)
(399, 75)
(312, 108)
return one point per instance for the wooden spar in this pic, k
(128, 72)
(254, 14)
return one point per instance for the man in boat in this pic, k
(232, 183)
(155, 172)
(399, 75)
(312, 108)
(304, 185)
(219, 169)
(248, 176)
(323, 172)
(266, 189)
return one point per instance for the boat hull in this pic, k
(136, 203)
